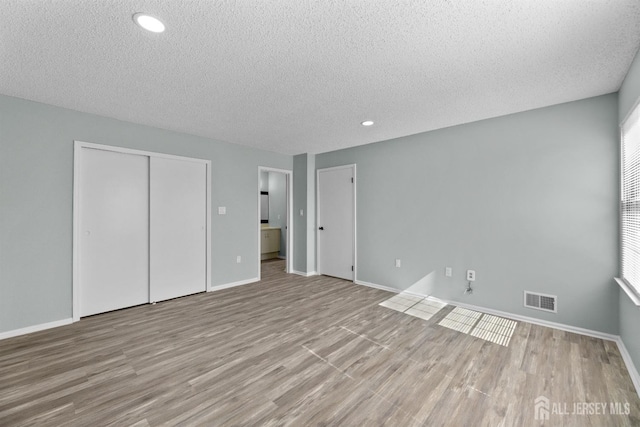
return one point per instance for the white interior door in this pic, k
(114, 231)
(178, 228)
(336, 222)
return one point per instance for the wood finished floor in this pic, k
(300, 351)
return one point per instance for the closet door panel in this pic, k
(114, 231)
(177, 228)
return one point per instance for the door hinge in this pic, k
(352, 180)
(352, 268)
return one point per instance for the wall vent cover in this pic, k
(540, 301)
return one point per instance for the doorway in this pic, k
(336, 230)
(275, 232)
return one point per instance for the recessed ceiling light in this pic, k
(367, 123)
(148, 22)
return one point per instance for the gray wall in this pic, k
(528, 200)
(300, 222)
(524, 199)
(629, 313)
(304, 197)
(36, 175)
(311, 213)
(278, 207)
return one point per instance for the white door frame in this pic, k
(355, 216)
(289, 190)
(77, 158)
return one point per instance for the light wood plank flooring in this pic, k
(300, 351)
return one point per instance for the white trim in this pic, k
(137, 152)
(540, 322)
(376, 286)
(352, 166)
(355, 223)
(303, 274)
(626, 357)
(631, 368)
(233, 284)
(532, 320)
(77, 147)
(631, 292)
(35, 328)
(75, 280)
(208, 249)
(397, 291)
(332, 168)
(289, 195)
(627, 290)
(630, 111)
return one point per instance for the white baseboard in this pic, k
(394, 290)
(626, 357)
(301, 273)
(533, 320)
(232, 284)
(376, 286)
(633, 372)
(540, 322)
(35, 328)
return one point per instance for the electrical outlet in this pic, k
(398, 263)
(448, 271)
(471, 275)
(222, 210)
(238, 259)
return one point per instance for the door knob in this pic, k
(320, 228)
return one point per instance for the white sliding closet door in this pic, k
(114, 230)
(178, 227)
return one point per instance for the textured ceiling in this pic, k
(297, 76)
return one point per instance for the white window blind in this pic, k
(630, 203)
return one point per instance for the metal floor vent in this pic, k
(542, 302)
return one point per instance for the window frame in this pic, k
(630, 289)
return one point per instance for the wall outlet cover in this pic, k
(471, 275)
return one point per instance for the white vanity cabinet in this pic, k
(269, 242)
